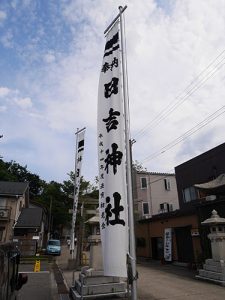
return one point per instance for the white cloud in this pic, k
(24, 103)
(166, 49)
(49, 57)
(4, 91)
(7, 39)
(3, 108)
(3, 16)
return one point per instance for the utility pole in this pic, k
(1, 136)
(50, 216)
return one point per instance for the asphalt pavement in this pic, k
(40, 285)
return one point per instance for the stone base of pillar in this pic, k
(213, 271)
(93, 283)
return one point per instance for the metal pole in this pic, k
(74, 216)
(50, 216)
(117, 17)
(128, 165)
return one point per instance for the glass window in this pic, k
(167, 184)
(54, 242)
(145, 208)
(143, 183)
(190, 194)
(1, 232)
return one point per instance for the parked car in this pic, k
(53, 247)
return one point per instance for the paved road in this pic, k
(161, 282)
(156, 282)
(172, 282)
(40, 285)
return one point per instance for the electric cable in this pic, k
(191, 88)
(188, 133)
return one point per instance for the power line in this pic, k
(187, 92)
(188, 133)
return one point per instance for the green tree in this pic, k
(138, 166)
(12, 171)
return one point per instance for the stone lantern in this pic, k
(214, 269)
(217, 235)
(95, 243)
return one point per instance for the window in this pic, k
(143, 183)
(145, 208)
(167, 184)
(164, 207)
(1, 232)
(190, 194)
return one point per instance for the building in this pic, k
(201, 188)
(32, 225)
(184, 244)
(154, 193)
(200, 169)
(201, 184)
(13, 197)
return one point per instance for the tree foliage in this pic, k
(56, 197)
(138, 166)
(12, 171)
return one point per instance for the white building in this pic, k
(154, 193)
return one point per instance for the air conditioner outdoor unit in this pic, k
(210, 198)
(3, 213)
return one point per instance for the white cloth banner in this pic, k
(78, 165)
(112, 158)
(168, 244)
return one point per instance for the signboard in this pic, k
(168, 244)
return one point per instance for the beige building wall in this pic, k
(14, 205)
(158, 195)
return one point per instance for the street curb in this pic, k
(63, 290)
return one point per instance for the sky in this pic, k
(50, 61)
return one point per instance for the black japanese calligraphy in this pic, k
(113, 159)
(107, 66)
(81, 146)
(111, 122)
(111, 87)
(112, 45)
(109, 211)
